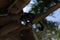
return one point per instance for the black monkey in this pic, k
(26, 18)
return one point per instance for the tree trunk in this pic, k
(28, 34)
(13, 31)
(17, 6)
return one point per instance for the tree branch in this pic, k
(6, 19)
(40, 18)
(9, 28)
(20, 4)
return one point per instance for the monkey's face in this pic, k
(26, 18)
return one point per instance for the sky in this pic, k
(29, 6)
(54, 18)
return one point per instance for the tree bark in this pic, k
(6, 19)
(14, 30)
(28, 34)
(5, 3)
(19, 5)
(9, 28)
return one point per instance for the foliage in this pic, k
(41, 7)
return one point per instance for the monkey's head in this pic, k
(26, 18)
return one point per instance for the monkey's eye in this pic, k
(23, 22)
(28, 21)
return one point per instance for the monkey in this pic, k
(26, 18)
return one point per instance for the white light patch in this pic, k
(23, 23)
(37, 30)
(58, 26)
(38, 25)
(28, 20)
(34, 26)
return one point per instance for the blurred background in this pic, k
(49, 28)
